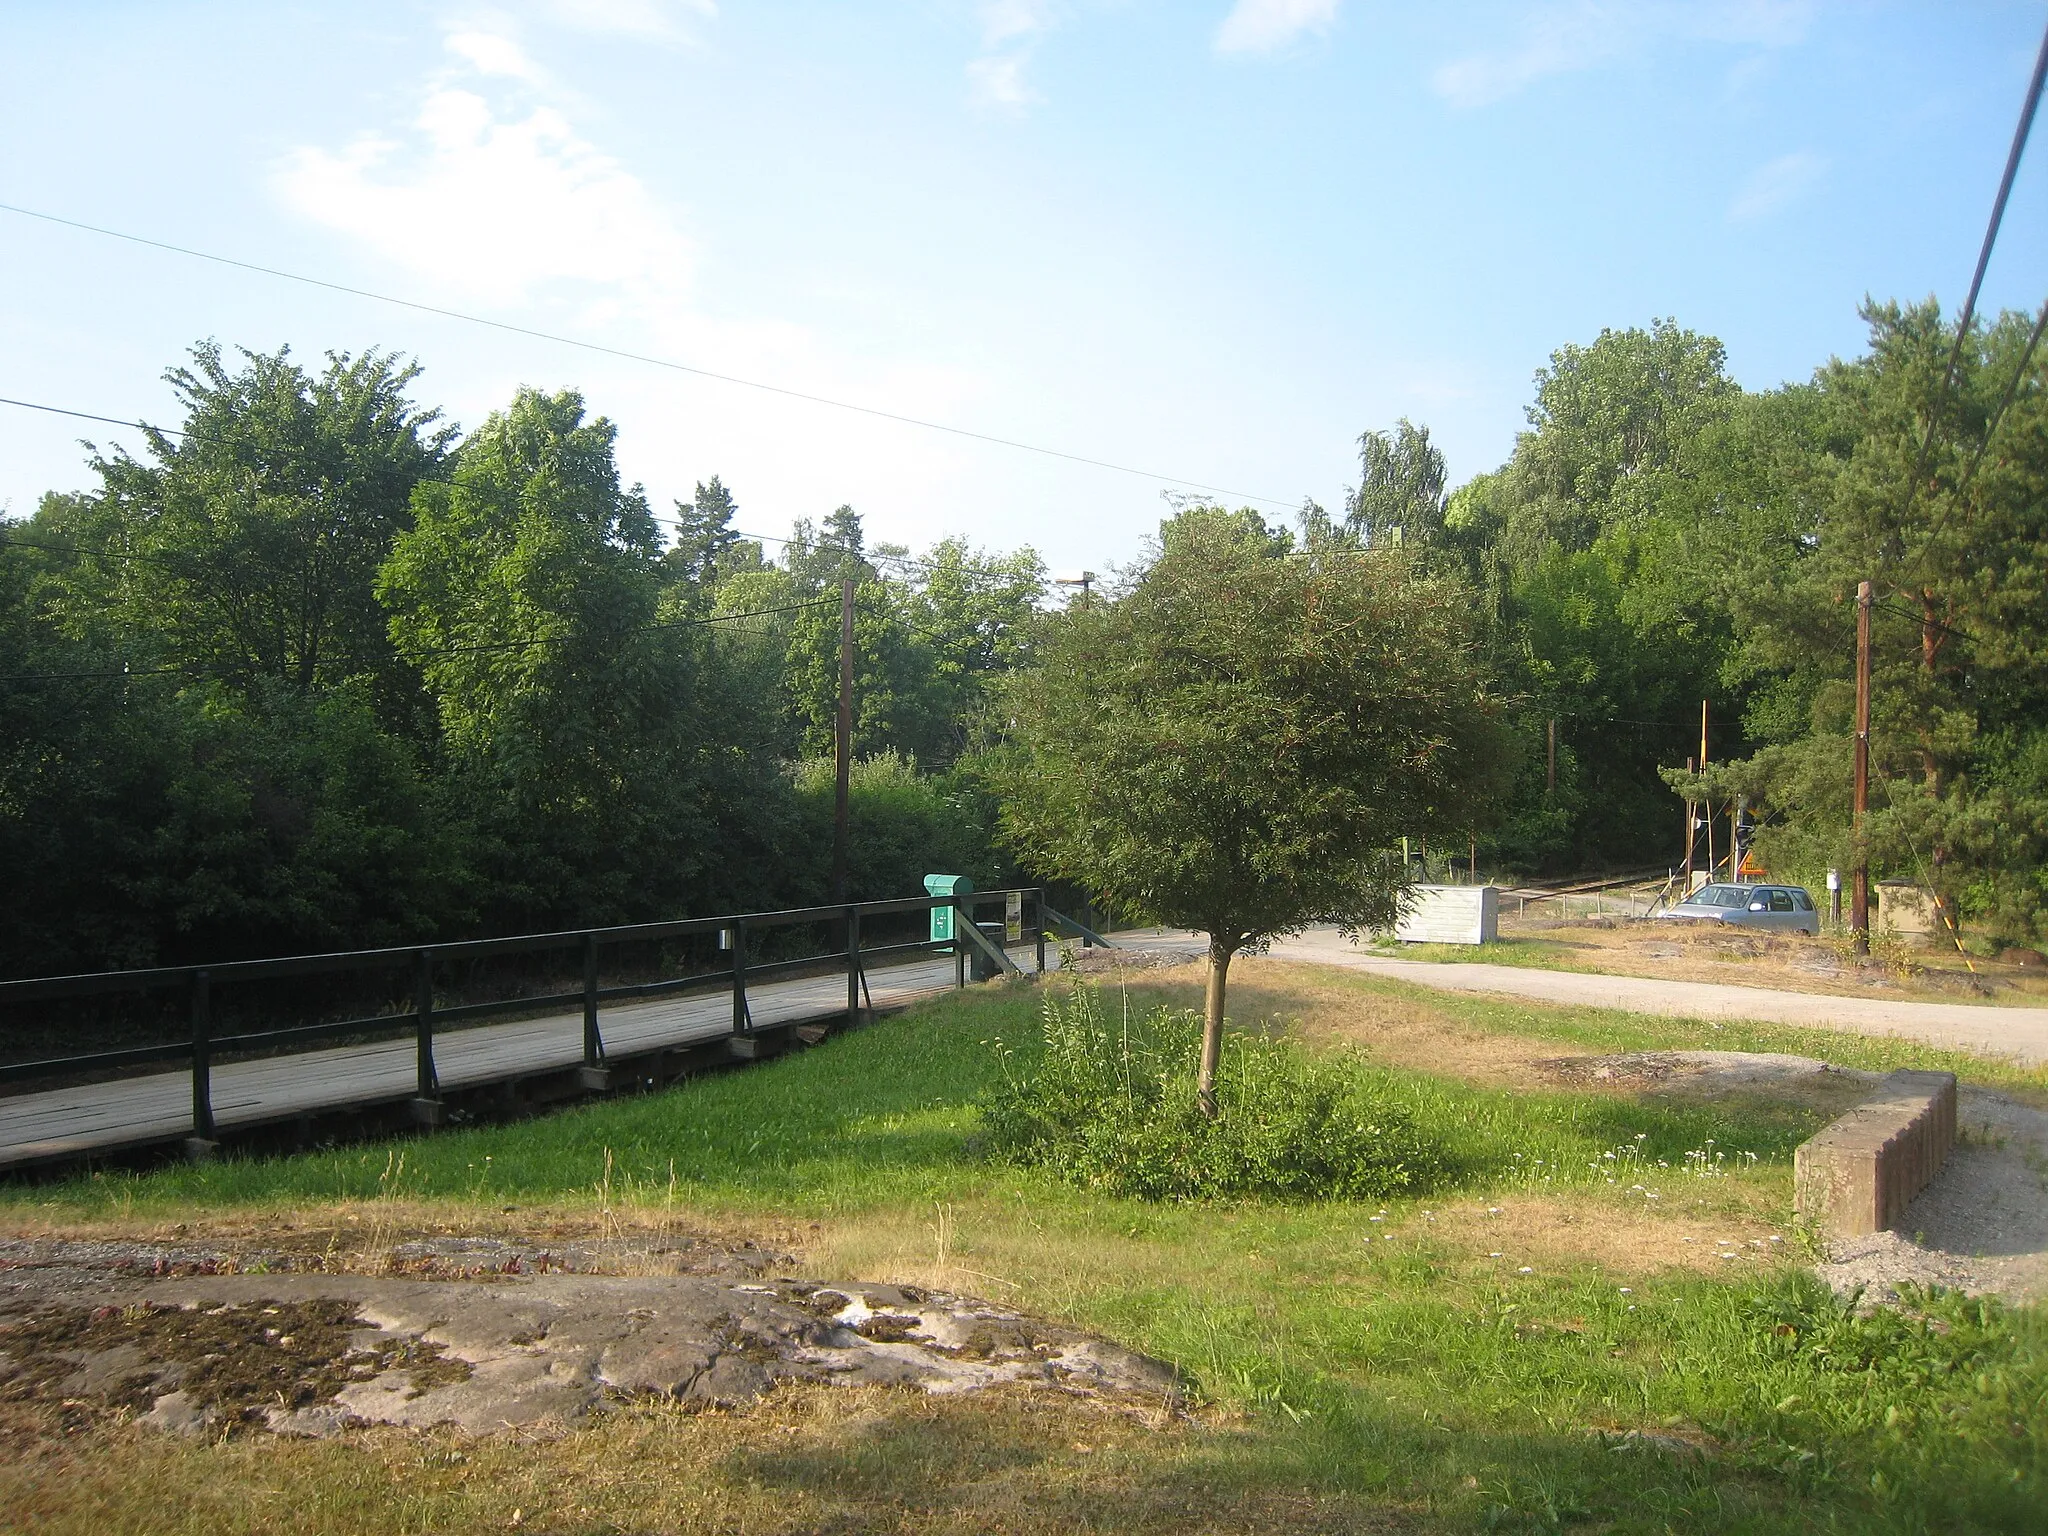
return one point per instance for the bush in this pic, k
(1112, 1107)
(902, 826)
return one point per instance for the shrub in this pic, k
(1112, 1107)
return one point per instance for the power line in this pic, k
(1955, 356)
(638, 357)
(114, 421)
(1925, 622)
(2005, 400)
(663, 519)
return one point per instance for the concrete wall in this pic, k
(1862, 1171)
(1451, 914)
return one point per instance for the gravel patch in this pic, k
(1705, 1071)
(1980, 1227)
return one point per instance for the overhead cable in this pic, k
(636, 357)
(1969, 315)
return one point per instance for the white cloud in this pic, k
(630, 18)
(1563, 38)
(1774, 186)
(1005, 20)
(1010, 30)
(492, 53)
(491, 197)
(998, 79)
(1264, 26)
(497, 201)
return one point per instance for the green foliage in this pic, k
(248, 549)
(1959, 647)
(1111, 1106)
(1399, 498)
(902, 826)
(1234, 743)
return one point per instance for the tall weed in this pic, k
(1110, 1105)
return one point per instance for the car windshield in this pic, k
(1721, 896)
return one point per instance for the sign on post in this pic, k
(942, 917)
(1013, 917)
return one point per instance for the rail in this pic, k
(201, 983)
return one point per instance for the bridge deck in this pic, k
(138, 1111)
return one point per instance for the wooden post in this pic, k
(593, 1044)
(1859, 889)
(592, 1074)
(1706, 806)
(852, 966)
(426, 1102)
(1038, 925)
(202, 1063)
(843, 743)
(740, 1021)
(1691, 831)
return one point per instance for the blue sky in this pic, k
(1213, 241)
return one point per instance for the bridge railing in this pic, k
(736, 934)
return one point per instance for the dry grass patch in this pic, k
(1628, 1239)
(1328, 1008)
(806, 1460)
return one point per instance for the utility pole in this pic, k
(1692, 830)
(1859, 877)
(1706, 806)
(843, 742)
(1084, 581)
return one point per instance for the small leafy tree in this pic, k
(1234, 742)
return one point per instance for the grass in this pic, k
(1535, 1345)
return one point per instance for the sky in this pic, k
(1209, 241)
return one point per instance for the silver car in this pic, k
(1779, 908)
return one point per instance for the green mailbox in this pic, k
(942, 917)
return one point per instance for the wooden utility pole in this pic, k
(1691, 829)
(1859, 877)
(843, 742)
(1706, 806)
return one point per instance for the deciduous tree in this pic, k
(1235, 741)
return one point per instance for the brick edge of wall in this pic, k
(1858, 1175)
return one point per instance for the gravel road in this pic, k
(2018, 1034)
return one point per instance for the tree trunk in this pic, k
(1220, 951)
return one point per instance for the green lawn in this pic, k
(1414, 1368)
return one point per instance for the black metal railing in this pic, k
(1026, 917)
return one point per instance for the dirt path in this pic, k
(2018, 1034)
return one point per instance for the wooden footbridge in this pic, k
(419, 1065)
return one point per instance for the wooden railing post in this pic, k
(740, 1022)
(203, 1140)
(961, 914)
(593, 1042)
(426, 1103)
(852, 966)
(1038, 925)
